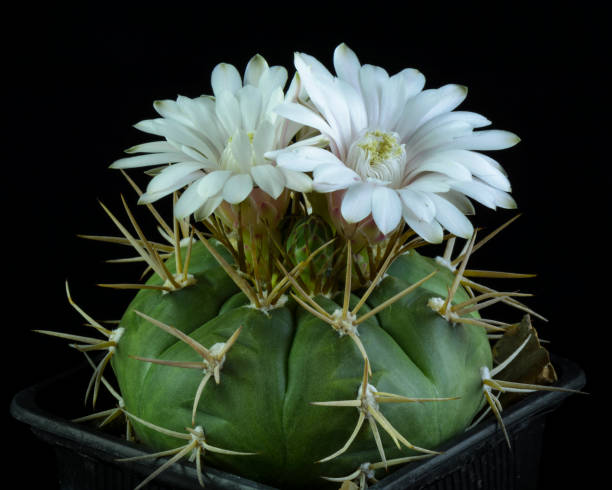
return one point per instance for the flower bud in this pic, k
(306, 236)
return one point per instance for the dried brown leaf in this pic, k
(531, 366)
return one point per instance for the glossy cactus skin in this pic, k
(286, 358)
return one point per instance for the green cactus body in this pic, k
(286, 358)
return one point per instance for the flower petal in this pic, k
(271, 81)
(468, 120)
(438, 138)
(491, 139)
(504, 200)
(270, 179)
(414, 111)
(169, 109)
(208, 208)
(250, 102)
(150, 126)
(152, 147)
(148, 160)
(172, 174)
(485, 194)
(454, 170)
(461, 202)
(386, 209)
(480, 166)
(451, 218)
(411, 82)
(325, 94)
(306, 158)
(242, 151)
(430, 231)
(450, 96)
(212, 183)
(153, 195)
(225, 77)
(256, 66)
(177, 133)
(271, 102)
(358, 115)
(392, 102)
(419, 203)
(347, 65)
(357, 202)
(208, 123)
(263, 141)
(190, 200)
(296, 181)
(332, 177)
(430, 182)
(372, 79)
(493, 163)
(196, 156)
(237, 188)
(303, 115)
(227, 109)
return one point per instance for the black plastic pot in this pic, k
(478, 459)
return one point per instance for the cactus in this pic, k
(285, 342)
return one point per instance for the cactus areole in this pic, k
(293, 329)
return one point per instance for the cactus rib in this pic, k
(212, 359)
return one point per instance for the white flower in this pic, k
(216, 145)
(399, 151)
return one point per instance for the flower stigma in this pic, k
(378, 156)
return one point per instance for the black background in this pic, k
(79, 79)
